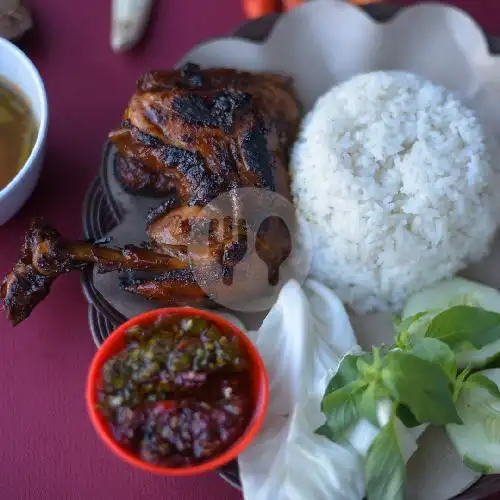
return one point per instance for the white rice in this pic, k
(394, 175)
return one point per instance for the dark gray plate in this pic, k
(101, 213)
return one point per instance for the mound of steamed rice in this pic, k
(394, 176)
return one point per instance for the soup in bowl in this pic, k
(23, 128)
(18, 131)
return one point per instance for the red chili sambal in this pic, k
(179, 392)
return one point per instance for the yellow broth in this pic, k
(18, 131)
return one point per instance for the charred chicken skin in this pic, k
(186, 137)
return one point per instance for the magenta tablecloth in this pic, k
(48, 450)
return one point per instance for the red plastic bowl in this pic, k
(116, 343)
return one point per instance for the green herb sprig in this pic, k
(418, 376)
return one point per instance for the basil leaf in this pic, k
(404, 341)
(341, 418)
(367, 405)
(324, 430)
(406, 416)
(341, 409)
(438, 352)
(347, 372)
(482, 381)
(467, 346)
(404, 324)
(422, 386)
(459, 383)
(493, 362)
(461, 324)
(384, 466)
(410, 328)
(365, 364)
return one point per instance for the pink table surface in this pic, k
(48, 450)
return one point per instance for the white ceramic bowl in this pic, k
(19, 70)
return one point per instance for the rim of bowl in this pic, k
(259, 411)
(42, 128)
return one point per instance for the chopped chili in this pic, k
(179, 392)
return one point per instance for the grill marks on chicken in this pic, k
(187, 137)
(204, 132)
(217, 112)
(172, 288)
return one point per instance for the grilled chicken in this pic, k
(45, 255)
(200, 133)
(187, 137)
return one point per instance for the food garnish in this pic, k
(178, 394)
(418, 382)
(457, 291)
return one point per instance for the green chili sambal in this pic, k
(179, 393)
